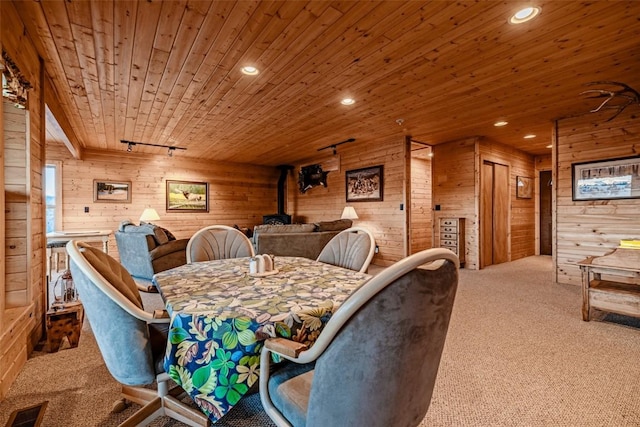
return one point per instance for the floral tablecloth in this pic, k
(220, 316)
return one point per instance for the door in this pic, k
(545, 213)
(494, 211)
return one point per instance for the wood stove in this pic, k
(281, 217)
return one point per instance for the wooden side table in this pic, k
(64, 321)
(619, 291)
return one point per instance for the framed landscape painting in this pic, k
(187, 196)
(606, 179)
(105, 191)
(364, 185)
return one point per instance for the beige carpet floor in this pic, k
(517, 354)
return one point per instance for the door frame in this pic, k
(538, 209)
(488, 158)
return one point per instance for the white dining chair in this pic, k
(352, 248)
(218, 242)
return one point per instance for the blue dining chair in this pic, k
(375, 362)
(132, 341)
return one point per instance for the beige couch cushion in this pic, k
(288, 228)
(337, 225)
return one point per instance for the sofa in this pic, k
(148, 249)
(304, 240)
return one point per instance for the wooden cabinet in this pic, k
(611, 283)
(452, 236)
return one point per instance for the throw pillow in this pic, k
(337, 225)
(160, 236)
(169, 234)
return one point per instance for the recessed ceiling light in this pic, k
(500, 123)
(530, 136)
(250, 71)
(348, 101)
(524, 15)
(549, 146)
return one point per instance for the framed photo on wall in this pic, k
(187, 196)
(365, 185)
(105, 191)
(524, 187)
(607, 179)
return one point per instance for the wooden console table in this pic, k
(57, 240)
(611, 295)
(85, 236)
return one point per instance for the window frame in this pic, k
(57, 219)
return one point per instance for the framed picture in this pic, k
(187, 196)
(524, 187)
(364, 185)
(105, 191)
(606, 179)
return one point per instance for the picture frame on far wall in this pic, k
(106, 191)
(610, 179)
(524, 187)
(365, 185)
(187, 196)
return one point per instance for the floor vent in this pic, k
(27, 417)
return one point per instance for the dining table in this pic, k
(221, 314)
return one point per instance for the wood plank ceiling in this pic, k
(168, 72)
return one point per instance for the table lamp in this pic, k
(349, 213)
(149, 214)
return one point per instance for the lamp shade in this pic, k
(349, 213)
(149, 214)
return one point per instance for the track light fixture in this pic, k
(169, 148)
(333, 146)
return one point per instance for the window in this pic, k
(53, 196)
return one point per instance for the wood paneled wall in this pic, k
(385, 219)
(421, 228)
(22, 317)
(585, 228)
(543, 163)
(238, 194)
(456, 188)
(16, 204)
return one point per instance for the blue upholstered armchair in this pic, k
(148, 249)
(375, 362)
(132, 341)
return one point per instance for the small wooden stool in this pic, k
(64, 321)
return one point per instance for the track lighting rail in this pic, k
(131, 144)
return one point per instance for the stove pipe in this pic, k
(284, 172)
(281, 217)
